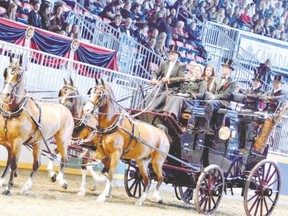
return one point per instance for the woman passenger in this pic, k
(209, 76)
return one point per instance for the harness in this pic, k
(113, 128)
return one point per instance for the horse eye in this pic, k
(65, 91)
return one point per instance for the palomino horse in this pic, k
(84, 126)
(119, 136)
(29, 123)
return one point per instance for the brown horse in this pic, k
(84, 126)
(119, 136)
(26, 122)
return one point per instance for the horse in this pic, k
(84, 127)
(120, 136)
(26, 122)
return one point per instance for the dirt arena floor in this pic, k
(47, 199)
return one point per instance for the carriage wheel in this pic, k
(186, 194)
(235, 169)
(133, 181)
(177, 192)
(262, 188)
(209, 189)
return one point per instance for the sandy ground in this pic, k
(47, 198)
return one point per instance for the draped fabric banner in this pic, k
(97, 56)
(12, 32)
(51, 43)
(58, 45)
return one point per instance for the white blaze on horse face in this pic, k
(89, 107)
(7, 88)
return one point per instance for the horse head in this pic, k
(12, 80)
(99, 96)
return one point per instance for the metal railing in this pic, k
(133, 58)
(44, 79)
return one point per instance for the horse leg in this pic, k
(50, 167)
(37, 148)
(114, 159)
(143, 169)
(7, 168)
(157, 163)
(62, 145)
(14, 161)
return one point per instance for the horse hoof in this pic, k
(81, 193)
(160, 201)
(65, 185)
(53, 178)
(7, 192)
(93, 188)
(101, 199)
(138, 203)
(15, 173)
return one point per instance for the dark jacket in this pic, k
(176, 76)
(195, 88)
(275, 98)
(251, 99)
(265, 72)
(224, 91)
(34, 19)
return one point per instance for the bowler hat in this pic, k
(278, 78)
(228, 63)
(258, 77)
(174, 48)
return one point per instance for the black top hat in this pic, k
(278, 78)
(258, 77)
(228, 63)
(174, 48)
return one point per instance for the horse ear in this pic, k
(102, 82)
(20, 60)
(89, 91)
(71, 81)
(65, 81)
(96, 80)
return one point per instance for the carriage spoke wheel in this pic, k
(235, 169)
(186, 194)
(209, 189)
(133, 182)
(262, 188)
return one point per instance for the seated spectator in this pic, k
(268, 27)
(160, 49)
(127, 29)
(209, 76)
(46, 16)
(259, 28)
(178, 32)
(116, 24)
(67, 28)
(220, 16)
(111, 10)
(194, 34)
(95, 7)
(246, 19)
(151, 44)
(34, 18)
(173, 17)
(137, 14)
(162, 26)
(11, 12)
(211, 15)
(58, 20)
(283, 36)
(278, 31)
(126, 11)
(154, 33)
(75, 34)
(141, 34)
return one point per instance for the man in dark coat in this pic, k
(170, 73)
(193, 88)
(34, 18)
(276, 96)
(220, 95)
(265, 71)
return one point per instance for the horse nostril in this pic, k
(7, 95)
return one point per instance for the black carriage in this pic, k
(203, 166)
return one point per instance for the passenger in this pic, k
(171, 74)
(276, 96)
(251, 99)
(209, 76)
(220, 94)
(193, 88)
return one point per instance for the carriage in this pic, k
(212, 164)
(198, 165)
